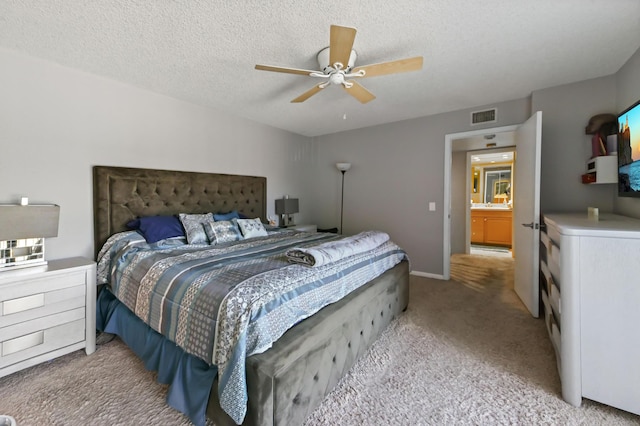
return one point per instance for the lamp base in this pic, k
(21, 253)
(286, 221)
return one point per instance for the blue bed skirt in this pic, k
(189, 377)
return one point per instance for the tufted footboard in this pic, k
(287, 382)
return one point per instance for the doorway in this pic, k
(458, 213)
(527, 139)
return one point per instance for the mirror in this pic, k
(476, 179)
(497, 185)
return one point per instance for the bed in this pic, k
(286, 379)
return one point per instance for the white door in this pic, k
(526, 214)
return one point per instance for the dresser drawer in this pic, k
(553, 233)
(36, 342)
(25, 308)
(41, 284)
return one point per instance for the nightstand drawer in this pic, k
(26, 286)
(40, 323)
(25, 308)
(34, 343)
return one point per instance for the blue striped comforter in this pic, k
(225, 302)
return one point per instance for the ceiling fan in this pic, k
(337, 61)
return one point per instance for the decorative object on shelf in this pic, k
(285, 207)
(601, 126)
(23, 229)
(343, 167)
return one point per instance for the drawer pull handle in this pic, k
(23, 342)
(22, 304)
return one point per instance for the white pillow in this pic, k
(251, 227)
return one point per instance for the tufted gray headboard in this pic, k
(121, 194)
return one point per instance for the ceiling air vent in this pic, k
(487, 116)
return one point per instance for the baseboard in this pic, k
(427, 275)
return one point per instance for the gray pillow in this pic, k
(222, 231)
(193, 227)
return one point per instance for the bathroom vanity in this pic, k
(491, 225)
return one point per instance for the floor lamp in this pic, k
(343, 167)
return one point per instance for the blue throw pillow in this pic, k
(226, 216)
(156, 228)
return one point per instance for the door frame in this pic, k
(449, 139)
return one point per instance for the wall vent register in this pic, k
(487, 116)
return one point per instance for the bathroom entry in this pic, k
(526, 140)
(491, 201)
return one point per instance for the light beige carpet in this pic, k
(462, 354)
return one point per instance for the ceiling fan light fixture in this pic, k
(327, 67)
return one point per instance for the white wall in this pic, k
(56, 123)
(397, 170)
(628, 93)
(566, 148)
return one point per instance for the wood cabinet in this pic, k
(491, 226)
(46, 312)
(590, 293)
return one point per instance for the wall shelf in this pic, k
(603, 169)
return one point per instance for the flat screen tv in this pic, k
(629, 152)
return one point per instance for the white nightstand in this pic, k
(305, 228)
(46, 312)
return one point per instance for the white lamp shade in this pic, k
(343, 167)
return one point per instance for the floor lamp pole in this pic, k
(342, 199)
(343, 167)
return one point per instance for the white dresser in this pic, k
(590, 284)
(46, 312)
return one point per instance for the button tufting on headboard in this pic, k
(121, 194)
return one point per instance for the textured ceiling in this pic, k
(475, 53)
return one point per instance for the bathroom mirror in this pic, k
(475, 179)
(497, 185)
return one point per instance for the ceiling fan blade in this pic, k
(340, 44)
(309, 93)
(283, 69)
(359, 92)
(392, 67)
